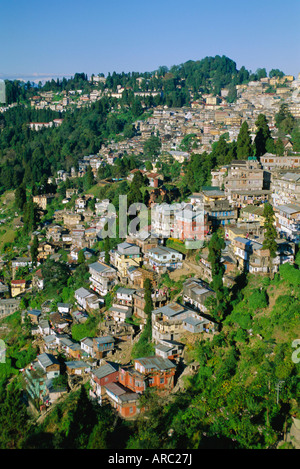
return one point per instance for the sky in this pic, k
(41, 40)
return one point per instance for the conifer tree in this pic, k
(270, 233)
(244, 142)
(215, 247)
(34, 250)
(263, 135)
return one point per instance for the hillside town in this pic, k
(143, 260)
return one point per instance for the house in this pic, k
(126, 255)
(220, 213)
(137, 276)
(4, 289)
(102, 278)
(124, 401)
(80, 316)
(288, 221)
(59, 321)
(154, 372)
(49, 364)
(20, 262)
(162, 220)
(285, 188)
(34, 315)
(44, 327)
(53, 392)
(246, 175)
(45, 250)
(107, 373)
(43, 200)
(87, 346)
(163, 258)
(120, 312)
(271, 162)
(64, 307)
(103, 345)
(69, 346)
(252, 214)
(170, 321)
(124, 296)
(71, 219)
(42, 371)
(87, 300)
(195, 294)
(169, 349)
(77, 367)
(54, 233)
(159, 298)
(190, 224)
(17, 287)
(50, 342)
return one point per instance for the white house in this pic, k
(86, 299)
(163, 258)
(102, 277)
(87, 346)
(120, 312)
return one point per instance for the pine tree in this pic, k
(270, 233)
(34, 250)
(215, 247)
(106, 249)
(20, 197)
(263, 134)
(244, 142)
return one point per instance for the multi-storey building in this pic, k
(285, 188)
(172, 320)
(163, 258)
(159, 298)
(246, 175)
(124, 256)
(103, 277)
(288, 221)
(153, 372)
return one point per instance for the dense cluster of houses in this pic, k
(234, 202)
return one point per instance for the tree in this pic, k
(215, 247)
(31, 216)
(270, 233)
(275, 72)
(56, 274)
(262, 136)
(81, 257)
(152, 147)
(89, 179)
(34, 250)
(244, 142)
(284, 120)
(84, 419)
(106, 250)
(20, 197)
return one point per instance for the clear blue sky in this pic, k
(67, 36)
